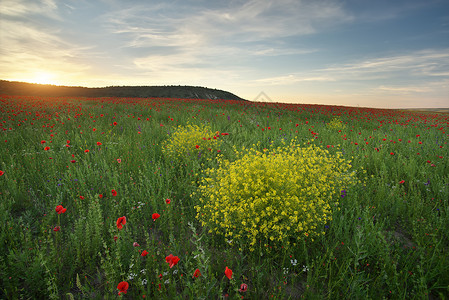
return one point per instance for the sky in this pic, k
(383, 53)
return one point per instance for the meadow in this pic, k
(220, 199)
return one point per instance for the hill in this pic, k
(187, 92)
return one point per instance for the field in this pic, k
(201, 199)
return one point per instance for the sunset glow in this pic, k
(43, 78)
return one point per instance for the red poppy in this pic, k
(43, 142)
(60, 210)
(57, 228)
(100, 196)
(82, 197)
(402, 181)
(197, 273)
(115, 238)
(115, 123)
(114, 193)
(86, 151)
(228, 273)
(243, 287)
(172, 260)
(73, 161)
(391, 153)
(47, 148)
(197, 146)
(136, 244)
(144, 253)
(99, 144)
(168, 201)
(155, 216)
(120, 222)
(1, 172)
(119, 160)
(123, 287)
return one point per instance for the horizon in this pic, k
(264, 99)
(327, 52)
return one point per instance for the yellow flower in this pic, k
(192, 141)
(272, 198)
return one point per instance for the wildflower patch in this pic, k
(336, 123)
(277, 196)
(192, 141)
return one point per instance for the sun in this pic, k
(43, 77)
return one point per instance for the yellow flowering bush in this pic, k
(192, 141)
(336, 123)
(276, 196)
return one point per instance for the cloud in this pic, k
(158, 39)
(30, 43)
(418, 64)
(258, 20)
(174, 39)
(21, 8)
(246, 20)
(242, 44)
(239, 29)
(290, 79)
(403, 89)
(400, 80)
(421, 66)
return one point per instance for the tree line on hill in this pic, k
(187, 92)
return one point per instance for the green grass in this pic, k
(388, 239)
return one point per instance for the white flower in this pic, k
(167, 281)
(144, 281)
(305, 268)
(131, 276)
(285, 271)
(293, 262)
